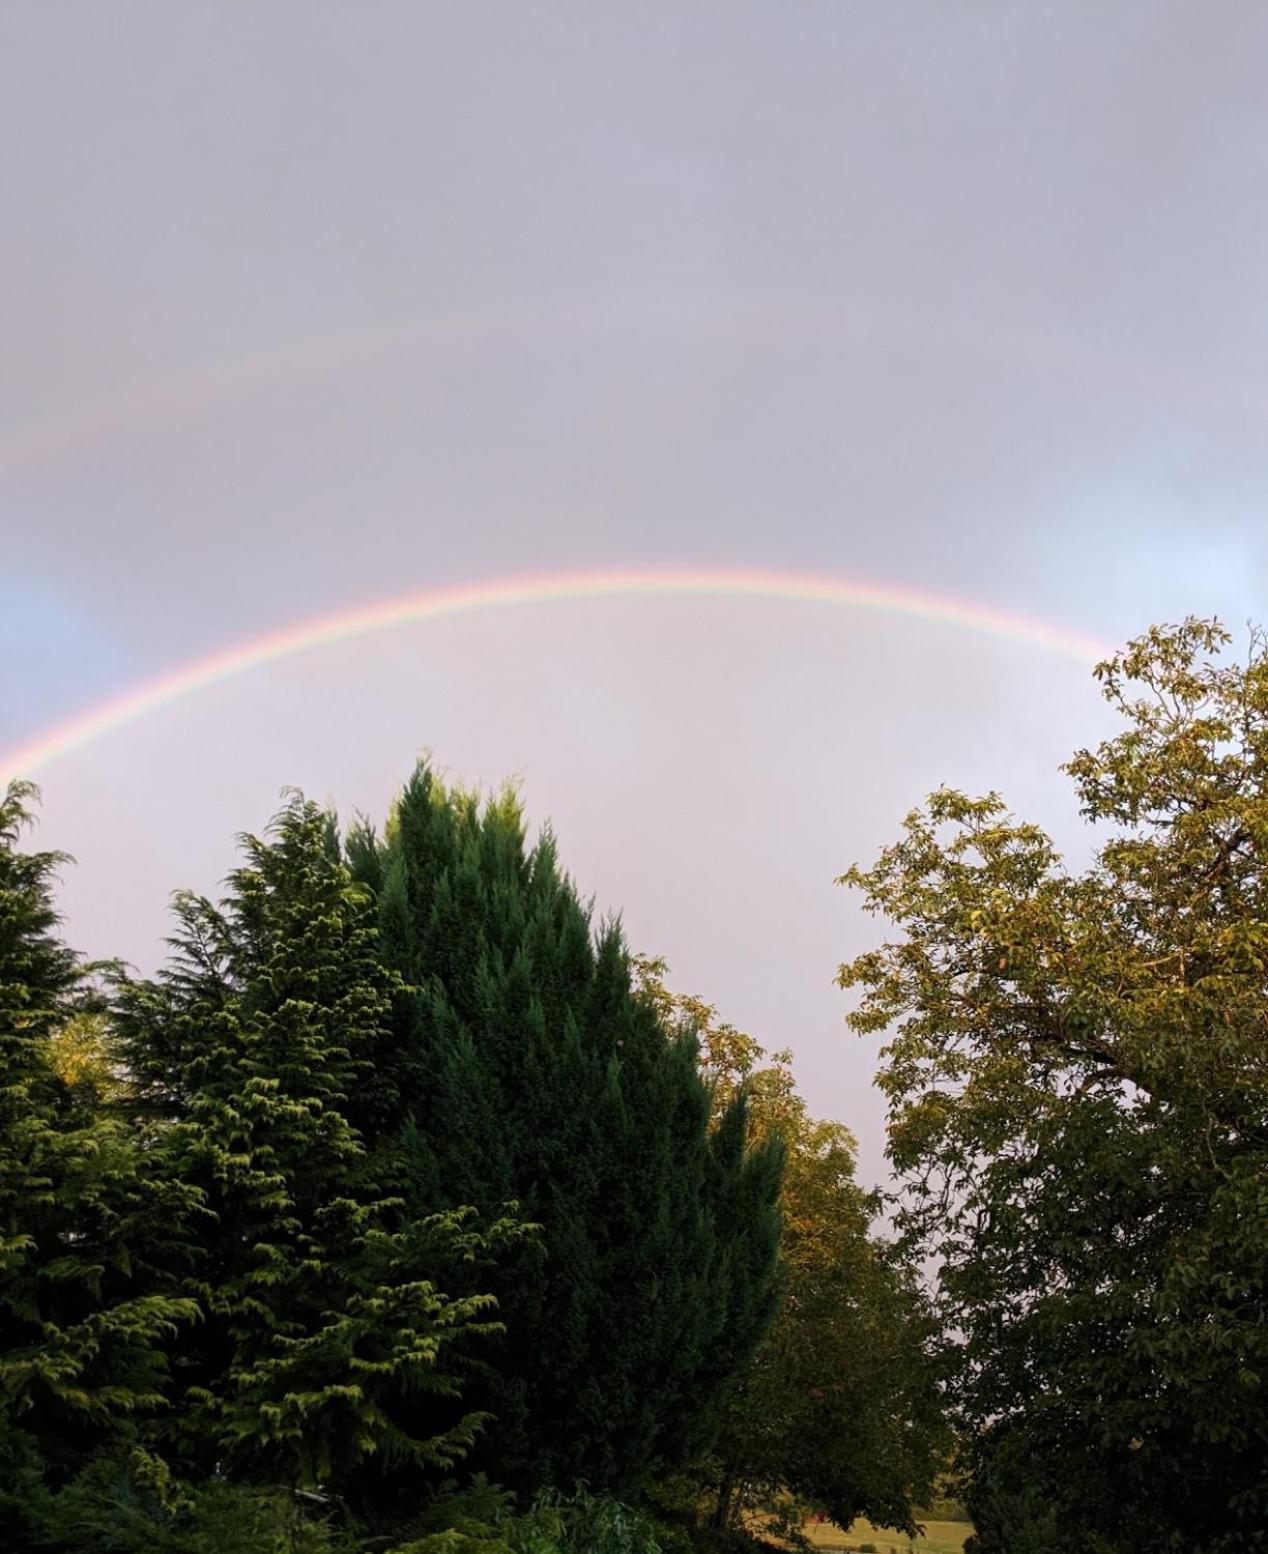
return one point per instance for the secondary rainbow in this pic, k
(505, 593)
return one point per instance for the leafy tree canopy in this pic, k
(839, 1409)
(1077, 1075)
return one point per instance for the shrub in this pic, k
(135, 1506)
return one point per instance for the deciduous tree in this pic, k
(1077, 1075)
(839, 1410)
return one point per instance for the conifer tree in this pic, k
(320, 1318)
(525, 1069)
(82, 1332)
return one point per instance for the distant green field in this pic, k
(939, 1538)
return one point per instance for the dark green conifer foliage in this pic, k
(321, 1318)
(527, 1070)
(82, 1333)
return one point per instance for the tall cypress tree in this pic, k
(83, 1330)
(526, 1069)
(320, 1315)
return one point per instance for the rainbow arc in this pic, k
(106, 717)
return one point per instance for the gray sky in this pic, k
(309, 304)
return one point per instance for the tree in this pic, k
(1078, 1089)
(525, 1070)
(320, 1315)
(82, 1337)
(839, 1409)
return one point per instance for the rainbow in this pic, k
(186, 395)
(505, 593)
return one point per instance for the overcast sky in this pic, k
(308, 304)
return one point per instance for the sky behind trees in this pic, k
(309, 305)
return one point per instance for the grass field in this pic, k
(939, 1538)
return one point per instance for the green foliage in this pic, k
(321, 1319)
(525, 1070)
(1015, 1506)
(839, 1409)
(582, 1523)
(255, 1214)
(136, 1506)
(474, 1518)
(24, 1491)
(82, 1336)
(1079, 1111)
(481, 1519)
